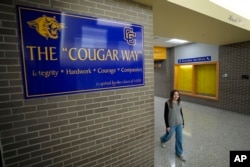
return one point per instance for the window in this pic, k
(199, 80)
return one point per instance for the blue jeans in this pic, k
(178, 138)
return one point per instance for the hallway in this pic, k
(209, 136)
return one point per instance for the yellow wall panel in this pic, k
(185, 77)
(206, 79)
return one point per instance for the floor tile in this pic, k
(208, 137)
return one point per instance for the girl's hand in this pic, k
(168, 129)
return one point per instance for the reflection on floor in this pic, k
(209, 136)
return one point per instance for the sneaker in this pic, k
(163, 145)
(181, 157)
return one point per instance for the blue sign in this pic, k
(65, 53)
(196, 59)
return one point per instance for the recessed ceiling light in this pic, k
(178, 41)
(240, 7)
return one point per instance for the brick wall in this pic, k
(163, 76)
(234, 91)
(106, 128)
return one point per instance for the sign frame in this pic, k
(79, 54)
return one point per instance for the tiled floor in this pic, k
(208, 137)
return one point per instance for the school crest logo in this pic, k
(130, 36)
(47, 27)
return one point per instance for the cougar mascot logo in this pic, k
(47, 27)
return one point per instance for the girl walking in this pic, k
(174, 122)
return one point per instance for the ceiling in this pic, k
(174, 21)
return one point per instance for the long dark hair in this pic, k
(171, 98)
